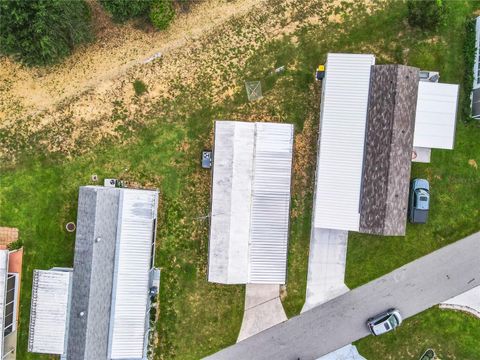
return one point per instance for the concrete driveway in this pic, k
(326, 266)
(412, 288)
(326, 278)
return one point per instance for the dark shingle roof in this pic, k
(388, 149)
(93, 273)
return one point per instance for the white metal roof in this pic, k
(436, 115)
(343, 117)
(231, 202)
(3, 286)
(270, 203)
(49, 311)
(250, 202)
(137, 214)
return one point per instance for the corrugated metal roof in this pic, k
(270, 203)
(49, 311)
(3, 285)
(341, 140)
(231, 202)
(250, 202)
(436, 115)
(129, 316)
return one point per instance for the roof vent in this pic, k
(98, 239)
(82, 313)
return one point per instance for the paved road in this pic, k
(412, 288)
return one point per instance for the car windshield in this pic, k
(423, 198)
(393, 321)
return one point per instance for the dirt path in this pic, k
(72, 106)
(117, 49)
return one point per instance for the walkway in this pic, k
(469, 301)
(263, 309)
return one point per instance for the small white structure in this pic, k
(250, 202)
(476, 73)
(49, 311)
(436, 115)
(3, 291)
(343, 117)
(348, 352)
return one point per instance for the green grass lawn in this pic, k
(452, 335)
(39, 193)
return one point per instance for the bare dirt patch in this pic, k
(72, 106)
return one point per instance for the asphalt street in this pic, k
(412, 288)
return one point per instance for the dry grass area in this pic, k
(72, 106)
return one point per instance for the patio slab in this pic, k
(422, 154)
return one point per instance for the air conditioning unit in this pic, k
(431, 76)
(110, 182)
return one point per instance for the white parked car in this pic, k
(384, 322)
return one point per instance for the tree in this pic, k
(426, 14)
(161, 13)
(123, 10)
(41, 32)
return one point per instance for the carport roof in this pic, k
(250, 202)
(436, 115)
(49, 311)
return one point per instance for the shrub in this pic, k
(426, 14)
(161, 13)
(139, 87)
(15, 245)
(123, 10)
(41, 32)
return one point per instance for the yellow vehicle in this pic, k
(320, 73)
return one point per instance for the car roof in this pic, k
(421, 184)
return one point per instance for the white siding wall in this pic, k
(436, 115)
(342, 137)
(3, 286)
(476, 77)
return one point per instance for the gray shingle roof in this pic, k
(388, 149)
(93, 273)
